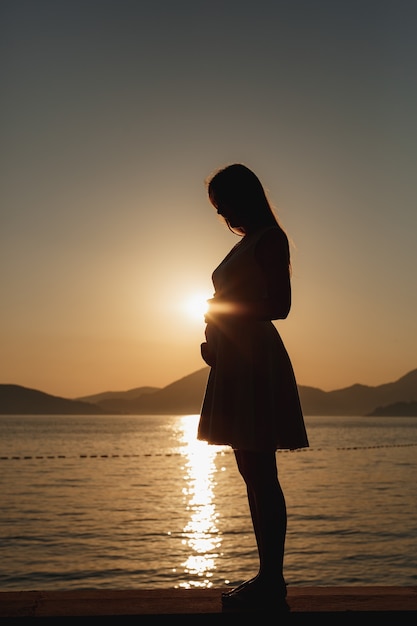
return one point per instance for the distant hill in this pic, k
(185, 395)
(118, 402)
(398, 409)
(179, 398)
(17, 400)
(359, 399)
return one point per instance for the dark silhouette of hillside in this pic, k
(359, 399)
(181, 397)
(185, 396)
(118, 402)
(17, 400)
(398, 409)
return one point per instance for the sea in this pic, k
(129, 502)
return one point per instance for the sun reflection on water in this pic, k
(200, 534)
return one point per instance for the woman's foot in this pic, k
(239, 587)
(257, 595)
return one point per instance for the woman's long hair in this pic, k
(237, 187)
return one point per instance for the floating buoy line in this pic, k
(170, 454)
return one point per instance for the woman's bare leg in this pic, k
(269, 515)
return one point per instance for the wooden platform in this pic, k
(334, 605)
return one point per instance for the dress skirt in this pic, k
(251, 400)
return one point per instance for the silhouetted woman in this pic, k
(251, 401)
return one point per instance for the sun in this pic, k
(195, 306)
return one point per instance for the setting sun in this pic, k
(195, 306)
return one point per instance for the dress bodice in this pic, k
(239, 276)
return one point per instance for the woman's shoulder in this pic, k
(272, 242)
(272, 235)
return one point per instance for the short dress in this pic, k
(251, 400)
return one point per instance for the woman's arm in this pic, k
(273, 255)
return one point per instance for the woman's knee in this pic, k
(258, 469)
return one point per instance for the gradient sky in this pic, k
(113, 114)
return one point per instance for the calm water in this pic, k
(135, 501)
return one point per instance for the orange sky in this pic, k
(115, 114)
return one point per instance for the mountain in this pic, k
(185, 395)
(359, 399)
(116, 401)
(398, 409)
(180, 398)
(17, 400)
